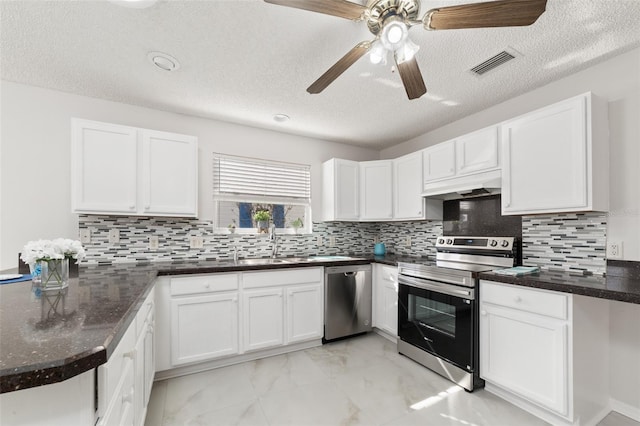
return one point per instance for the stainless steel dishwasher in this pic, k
(347, 301)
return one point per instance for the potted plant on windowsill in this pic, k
(297, 224)
(262, 217)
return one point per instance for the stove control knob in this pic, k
(441, 241)
(449, 241)
(505, 243)
(493, 243)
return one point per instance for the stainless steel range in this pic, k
(437, 304)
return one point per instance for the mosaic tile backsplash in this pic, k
(173, 235)
(568, 242)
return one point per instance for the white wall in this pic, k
(618, 81)
(35, 157)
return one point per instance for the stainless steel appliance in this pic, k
(347, 301)
(438, 304)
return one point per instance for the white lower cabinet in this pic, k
(213, 318)
(385, 290)
(204, 327)
(263, 313)
(529, 341)
(304, 312)
(204, 317)
(124, 382)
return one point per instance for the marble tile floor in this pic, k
(358, 381)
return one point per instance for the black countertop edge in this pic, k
(615, 288)
(29, 377)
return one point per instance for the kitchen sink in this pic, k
(266, 261)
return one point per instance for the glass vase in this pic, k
(54, 273)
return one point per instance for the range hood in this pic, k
(474, 185)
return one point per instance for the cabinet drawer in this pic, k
(143, 313)
(120, 407)
(203, 284)
(540, 302)
(282, 277)
(111, 373)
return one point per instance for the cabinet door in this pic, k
(346, 187)
(407, 187)
(263, 312)
(545, 160)
(525, 354)
(386, 300)
(169, 174)
(376, 186)
(104, 162)
(149, 360)
(477, 151)
(139, 403)
(304, 313)
(203, 327)
(439, 161)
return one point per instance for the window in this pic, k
(245, 186)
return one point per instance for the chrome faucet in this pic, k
(274, 240)
(235, 253)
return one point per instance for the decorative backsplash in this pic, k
(573, 242)
(567, 242)
(173, 239)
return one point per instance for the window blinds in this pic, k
(240, 176)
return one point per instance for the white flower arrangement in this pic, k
(60, 248)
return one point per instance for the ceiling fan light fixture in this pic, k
(407, 51)
(378, 55)
(394, 34)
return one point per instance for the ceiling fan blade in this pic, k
(501, 13)
(339, 67)
(340, 8)
(411, 78)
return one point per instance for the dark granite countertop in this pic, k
(99, 305)
(622, 282)
(103, 300)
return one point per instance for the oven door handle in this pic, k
(464, 293)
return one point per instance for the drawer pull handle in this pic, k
(483, 312)
(131, 354)
(518, 299)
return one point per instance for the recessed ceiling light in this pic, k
(281, 118)
(135, 4)
(163, 61)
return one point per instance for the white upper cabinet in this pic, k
(169, 173)
(407, 187)
(124, 170)
(477, 151)
(340, 190)
(104, 164)
(439, 161)
(376, 190)
(556, 159)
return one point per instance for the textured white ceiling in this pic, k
(244, 61)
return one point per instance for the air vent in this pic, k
(492, 63)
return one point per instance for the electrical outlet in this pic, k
(332, 241)
(196, 242)
(319, 240)
(114, 236)
(85, 236)
(407, 241)
(153, 242)
(614, 249)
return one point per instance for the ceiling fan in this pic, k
(389, 21)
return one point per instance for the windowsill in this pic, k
(254, 232)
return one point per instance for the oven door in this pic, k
(439, 318)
